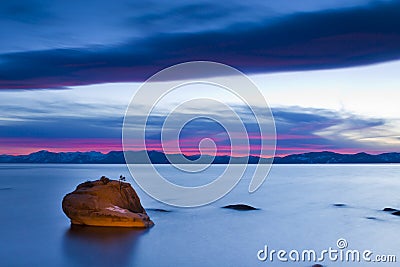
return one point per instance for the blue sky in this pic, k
(327, 68)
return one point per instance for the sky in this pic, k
(328, 69)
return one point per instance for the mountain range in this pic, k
(117, 157)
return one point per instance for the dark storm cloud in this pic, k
(190, 14)
(51, 128)
(25, 12)
(300, 41)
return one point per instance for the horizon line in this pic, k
(191, 155)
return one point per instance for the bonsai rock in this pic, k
(105, 202)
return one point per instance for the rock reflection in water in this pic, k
(100, 246)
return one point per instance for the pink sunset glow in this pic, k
(24, 146)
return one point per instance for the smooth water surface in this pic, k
(297, 211)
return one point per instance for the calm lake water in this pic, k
(297, 211)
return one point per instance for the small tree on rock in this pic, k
(121, 179)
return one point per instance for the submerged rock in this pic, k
(239, 207)
(340, 205)
(6, 188)
(390, 210)
(105, 202)
(159, 210)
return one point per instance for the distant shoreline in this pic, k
(117, 157)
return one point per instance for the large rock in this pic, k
(105, 202)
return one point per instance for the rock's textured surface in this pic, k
(105, 202)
